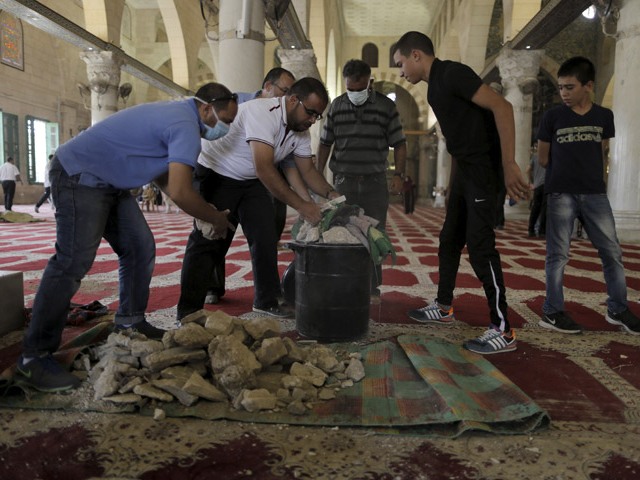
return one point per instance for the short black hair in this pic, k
(580, 67)
(275, 74)
(307, 86)
(217, 94)
(356, 69)
(414, 41)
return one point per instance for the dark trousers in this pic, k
(217, 285)
(44, 197)
(9, 190)
(280, 209)
(470, 217)
(371, 193)
(538, 211)
(502, 196)
(250, 205)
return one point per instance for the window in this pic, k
(42, 140)
(9, 137)
(370, 54)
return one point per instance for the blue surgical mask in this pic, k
(218, 131)
(358, 98)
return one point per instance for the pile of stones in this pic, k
(214, 357)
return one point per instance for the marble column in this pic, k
(241, 45)
(443, 169)
(519, 70)
(624, 167)
(103, 73)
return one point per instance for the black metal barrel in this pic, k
(332, 291)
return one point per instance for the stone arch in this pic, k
(126, 28)
(104, 19)
(517, 14)
(607, 97)
(177, 45)
(473, 39)
(418, 93)
(204, 75)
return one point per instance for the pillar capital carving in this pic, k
(103, 70)
(519, 68)
(103, 73)
(300, 62)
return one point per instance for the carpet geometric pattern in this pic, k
(589, 384)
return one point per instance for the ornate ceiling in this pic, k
(368, 18)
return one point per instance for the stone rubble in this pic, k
(214, 357)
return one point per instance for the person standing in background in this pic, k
(47, 186)
(361, 125)
(572, 140)
(538, 214)
(9, 175)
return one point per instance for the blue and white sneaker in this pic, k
(432, 313)
(492, 341)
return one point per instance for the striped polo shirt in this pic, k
(362, 135)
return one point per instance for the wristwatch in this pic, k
(398, 174)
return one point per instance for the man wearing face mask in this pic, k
(361, 125)
(91, 178)
(238, 172)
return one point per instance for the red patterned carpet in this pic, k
(589, 384)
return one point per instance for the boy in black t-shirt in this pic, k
(571, 143)
(471, 116)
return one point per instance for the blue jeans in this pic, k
(84, 215)
(595, 213)
(371, 193)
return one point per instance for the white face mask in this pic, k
(358, 98)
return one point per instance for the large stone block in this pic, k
(11, 301)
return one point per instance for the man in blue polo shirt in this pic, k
(90, 180)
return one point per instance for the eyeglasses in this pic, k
(311, 113)
(233, 96)
(284, 90)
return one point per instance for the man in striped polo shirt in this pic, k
(361, 125)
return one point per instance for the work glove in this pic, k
(380, 246)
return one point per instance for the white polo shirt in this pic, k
(262, 120)
(8, 171)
